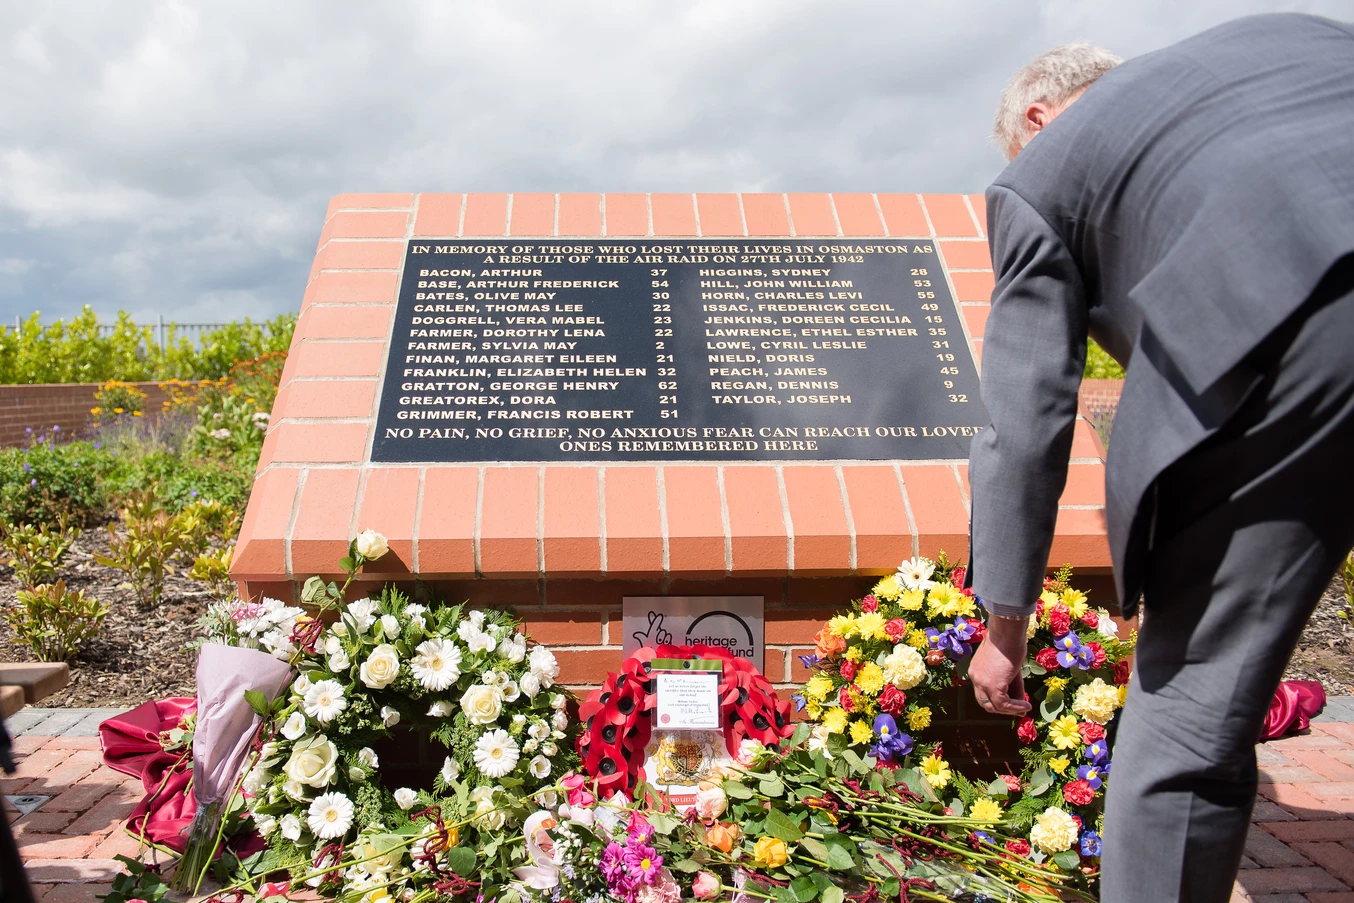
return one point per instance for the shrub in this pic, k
(1099, 365)
(54, 621)
(213, 569)
(36, 551)
(182, 482)
(47, 484)
(145, 550)
(116, 398)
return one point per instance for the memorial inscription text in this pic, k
(716, 349)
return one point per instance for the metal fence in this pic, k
(161, 328)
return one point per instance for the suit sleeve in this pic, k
(1034, 352)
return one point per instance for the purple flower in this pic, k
(952, 640)
(27, 467)
(1092, 774)
(808, 661)
(33, 483)
(963, 630)
(1072, 654)
(1090, 844)
(800, 702)
(984, 837)
(56, 428)
(892, 743)
(644, 862)
(193, 494)
(1097, 753)
(98, 445)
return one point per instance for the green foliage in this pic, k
(138, 883)
(229, 428)
(1347, 572)
(116, 398)
(54, 621)
(76, 351)
(48, 484)
(1099, 365)
(36, 551)
(151, 537)
(183, 480)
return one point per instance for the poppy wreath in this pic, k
(617, 717)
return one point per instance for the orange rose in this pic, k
(828, 644)
(722, 836)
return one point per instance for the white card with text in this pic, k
(688, 700)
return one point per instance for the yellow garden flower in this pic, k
(861, 732)
(870, 626)
(1075, 600)
(966, 608)
(1096, 701)
(913, 599)
(1063, 733)
(870, 678)
(943, 601)
(770, 853)
(835, 721)
(1049, 598)
(987, 811)
(918, 718)
(1059, 764)
(916, 638)
(853, 654)
(840, 625)
(813, 710)
(888, 588)
(818, 687)
(936, 771)
(1055, 683)
(1123, 695)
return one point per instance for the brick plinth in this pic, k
(565, 542)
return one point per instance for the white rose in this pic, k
(381, 667)
(466, 630)
(450, 770)
(371, 545)
(312, 762)
(405, 798)
(530, 685)
(295, 726)
(266, 824)
(301, 685)
(389, 716)
(558, 702)
(291, 827)
(390, 625)
(332, 645)
(482, 704)
(339, 661)
(367, 756)
(255, 782)
(339, 628)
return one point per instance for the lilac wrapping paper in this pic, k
(225, 723)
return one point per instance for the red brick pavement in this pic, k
(1300, 849)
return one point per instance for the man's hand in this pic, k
(995, 671)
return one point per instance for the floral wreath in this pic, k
(878, 667)
(464, 678)
(617, 717)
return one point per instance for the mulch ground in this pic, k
(142, 653)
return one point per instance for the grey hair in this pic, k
(1053, 78)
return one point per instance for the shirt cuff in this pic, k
(1006, 611)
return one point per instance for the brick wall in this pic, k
(40, 407)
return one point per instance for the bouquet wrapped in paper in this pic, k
(232, 684)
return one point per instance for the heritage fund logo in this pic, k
(734, 623)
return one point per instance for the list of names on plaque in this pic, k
(737, 349)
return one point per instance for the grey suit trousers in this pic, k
(1250, 528)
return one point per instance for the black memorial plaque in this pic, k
(681, 350)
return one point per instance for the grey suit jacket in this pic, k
(1179, 212)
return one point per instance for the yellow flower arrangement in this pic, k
(870, 678)
(1059, 764)
(916, 638)
(913, 599)
(918, 717)
(1075, 600)
(985, 810)
(936, 771)
(853, 654)
(818, 687)
(943, 601)
(1055, 683)
(841, 625)
(870, 626)
(861, 732)
(888, 588)
(1063, 733)
(835, 721)
(1096, 701)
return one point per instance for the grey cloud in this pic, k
(176, 158)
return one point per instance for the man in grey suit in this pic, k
(1193, 211)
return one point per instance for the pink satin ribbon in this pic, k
(1295, 703)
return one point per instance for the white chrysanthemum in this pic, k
(330, 816)
(295, 726)
(915, 573)
(290, 826)
(542, 662)
(466, 630)
(904, 667)
(362, 614)
(437, 664)
(495, 753)
(450, 770)
(530, 685)
(1096, 701)
(539, 768)
(405, 798)
(324, 701)
(265, 824)
(1053, 831)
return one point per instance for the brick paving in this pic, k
(1300, 849)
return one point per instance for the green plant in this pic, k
(1347, 572)
(55, 621)
(46, 484)
(1099, 365)
(140, 882)
(116, 398)
(36, 551)
(228, 428)
(144, 551)
(213, 568)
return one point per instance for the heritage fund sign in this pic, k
(735, 624)
(693, 349)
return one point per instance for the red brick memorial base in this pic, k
(564, 543)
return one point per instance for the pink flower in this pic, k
(869, 604)
(577, 787)
(663, 890)
(706, 886)
(711, 802)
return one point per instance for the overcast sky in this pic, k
(177, 158)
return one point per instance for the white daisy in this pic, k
(324, 701)
(437, 664)
(539, 768)
(495, 753)
(915, 573)
(450, 770)
(330, 816)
